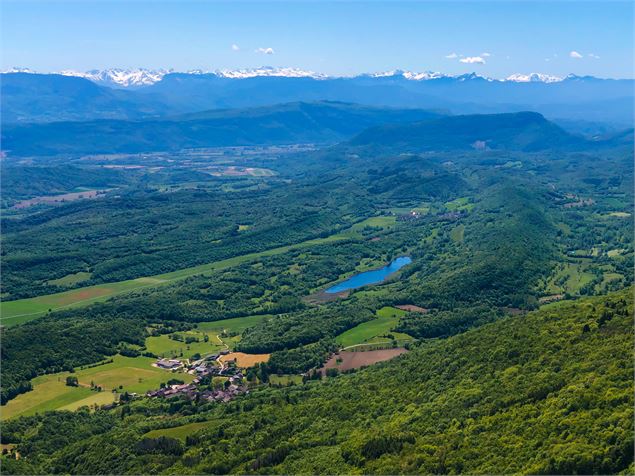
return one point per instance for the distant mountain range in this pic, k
(134, 78)
(31, 97)
(358, 127)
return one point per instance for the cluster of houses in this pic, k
(204, 369)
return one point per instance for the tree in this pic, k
(72, 381)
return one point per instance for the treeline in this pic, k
(144, 233)
(445, 323)
(302, 358)
(56, 344)
(293, 330)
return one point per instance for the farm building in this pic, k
(169, 364)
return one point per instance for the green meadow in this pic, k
(372, 331)
(50, 392)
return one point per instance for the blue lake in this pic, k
(370, 277)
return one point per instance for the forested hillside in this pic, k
(549, 392)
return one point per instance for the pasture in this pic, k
(347, 360)
(569, 278)
(71, 279)
(50, 392)
(372, 331)
(165, 346)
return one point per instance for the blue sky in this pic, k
(341, 38)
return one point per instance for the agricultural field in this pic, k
(285, 380)
(460, 204)
(244, 360)
(50, 392)
(71, 279)
(374, 331)
(347, 360)
(569, 278)
(166, 346)
(229, 330)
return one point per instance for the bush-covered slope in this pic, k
(549, 392)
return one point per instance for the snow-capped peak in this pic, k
(410, 75)
(268, 71)
(20, 70)
(533, 78)
(121, 77)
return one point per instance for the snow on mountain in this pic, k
(533, 78)
(268, 71)
(132, 78)
(413, 76)
(126, 78)
(20, 70)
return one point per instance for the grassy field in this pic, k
(383, 222)
(458, 234)
(163, 346)
(572, 276)
(285, 379)
(71, 279)
(371, 331)
(50, 392)
(23, 310)
(460, 204)
(237, 324)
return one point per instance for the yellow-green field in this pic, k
(163, 346)
(371, 332)
(71, 279)
(457, 234)
(236, 324)
(572, 276)
(50, 392)
(460, 204)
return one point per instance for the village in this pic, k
(202, 388)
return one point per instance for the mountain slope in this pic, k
(587, 98)
(546, 393)
(52, 97)
(282, 124)
(525, 131)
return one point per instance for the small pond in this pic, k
(370, 277)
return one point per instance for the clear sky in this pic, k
(340, 38)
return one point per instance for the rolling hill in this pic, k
(523, 131)
(299, 122)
